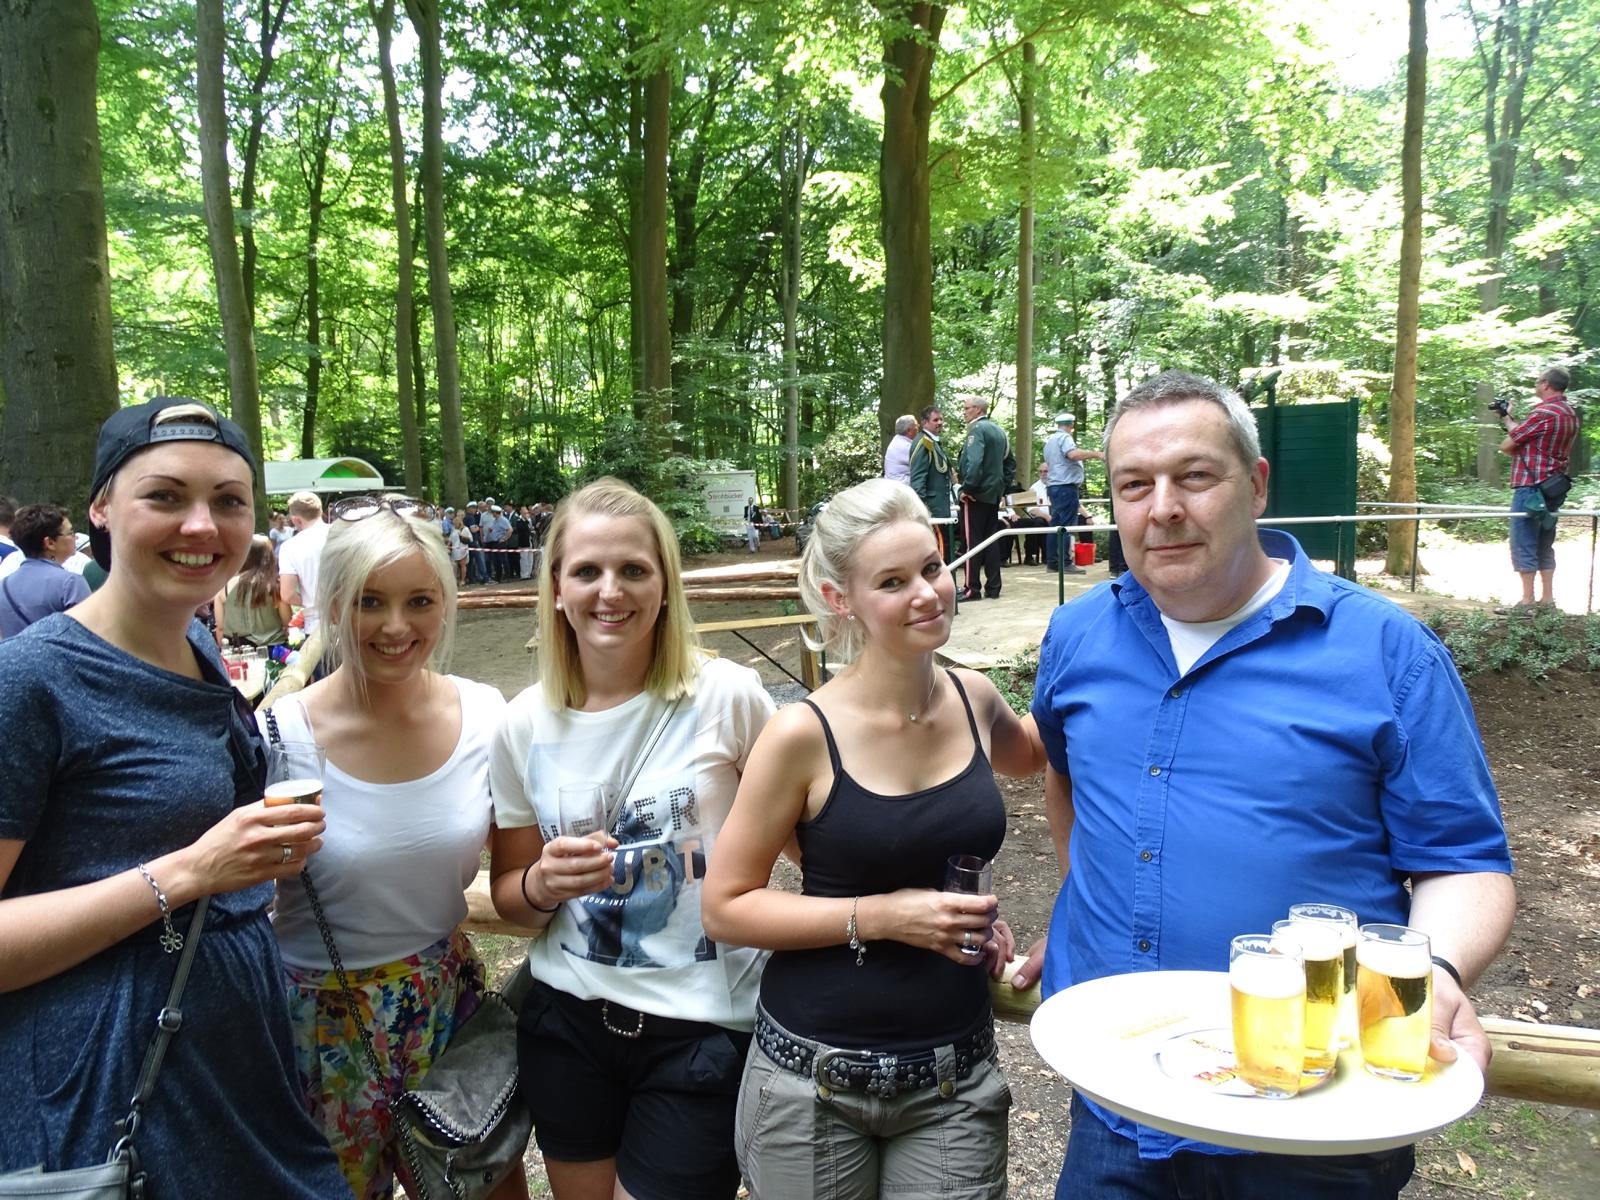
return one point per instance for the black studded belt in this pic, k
(871, 1071)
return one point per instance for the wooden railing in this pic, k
(1545, 1064)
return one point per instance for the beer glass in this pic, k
(1344, 921)
(581, 811)
(972, 876)
(1394, 995)
(294, 773)
(1268, 983)
(1323, 956)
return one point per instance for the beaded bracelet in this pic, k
(171, 939)
(853, 935)
(529, 899)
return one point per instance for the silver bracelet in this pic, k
(171, 939)
(853, 935)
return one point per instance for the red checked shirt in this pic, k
(1542, 442)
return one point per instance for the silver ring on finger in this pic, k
(966, 940)
(288, 854)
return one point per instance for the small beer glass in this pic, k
(1344, 920)
(1323, 957)
(1268, 983)
(1394, 996)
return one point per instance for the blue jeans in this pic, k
(1533, 547)
(1103, 1165)
(1063, 511)
(477, 567)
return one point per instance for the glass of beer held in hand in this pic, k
(1394, 994)
(1323, 956)
(294, 773)
(1268, 982)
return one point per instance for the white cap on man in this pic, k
(1066, 419)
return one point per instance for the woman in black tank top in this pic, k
(874, 1070)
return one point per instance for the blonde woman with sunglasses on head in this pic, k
(406, 790)
(633, 1039)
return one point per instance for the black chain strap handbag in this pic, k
(462, 1128)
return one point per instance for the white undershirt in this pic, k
(1191, 639)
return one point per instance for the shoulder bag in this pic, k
(462, 1128)
(120, 1177)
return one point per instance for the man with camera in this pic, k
(1539, 446)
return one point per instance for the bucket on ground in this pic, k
(1083, 553)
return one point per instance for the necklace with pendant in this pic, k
(923, 711)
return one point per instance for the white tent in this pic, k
(322, 475)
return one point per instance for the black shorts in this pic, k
(662, 1104)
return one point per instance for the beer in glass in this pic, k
(1323, 956)
(1394, 994)
(1269, 1014)
(1344, 922)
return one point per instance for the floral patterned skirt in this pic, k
(411, 1008)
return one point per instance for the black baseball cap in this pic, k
(137, 427)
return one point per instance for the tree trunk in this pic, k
(238, 335)
(1507, 61)
(793, 165)
(316, 184)
(405, 397)
(424, 15)
(57, 371)
(1025, 368)
(1403, 395)
(911, 38)
(654, 318)
(271, 26)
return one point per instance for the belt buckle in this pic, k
(605, 1019)
(881, 1069)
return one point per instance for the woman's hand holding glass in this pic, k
(954, 924)
(251, 845)
(578, 862)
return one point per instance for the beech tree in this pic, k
(1403, 391)
(57, 374)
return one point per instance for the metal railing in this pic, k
(1415, 513)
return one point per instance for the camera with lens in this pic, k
(1500, 405)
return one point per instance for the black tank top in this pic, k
(861, 843)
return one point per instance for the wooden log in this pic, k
(1544, 1064)
(786, 569)
(699, 594)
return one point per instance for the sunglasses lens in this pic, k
(356, 509)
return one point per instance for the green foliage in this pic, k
(1538, 642)
(672, 481)
(851, 454)
(1014, 680)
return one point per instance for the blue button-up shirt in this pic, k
(1323, 749)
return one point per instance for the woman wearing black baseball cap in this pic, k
(130, 785)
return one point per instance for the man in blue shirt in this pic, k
(1063, 464)
(1231, 731)
(40, 585)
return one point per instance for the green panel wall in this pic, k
(1311, 450)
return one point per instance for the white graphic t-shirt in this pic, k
(640, 942)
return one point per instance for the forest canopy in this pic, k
(688, 230)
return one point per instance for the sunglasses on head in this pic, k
(359, 508)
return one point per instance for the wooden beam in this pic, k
(1544, 1064)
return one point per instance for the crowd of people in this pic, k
(690, 1024)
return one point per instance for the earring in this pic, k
(849, 616)
(558, 603)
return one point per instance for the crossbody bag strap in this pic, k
(334, 958)
(651, 741)
(168, 1021)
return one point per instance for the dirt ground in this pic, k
(1541, 740)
